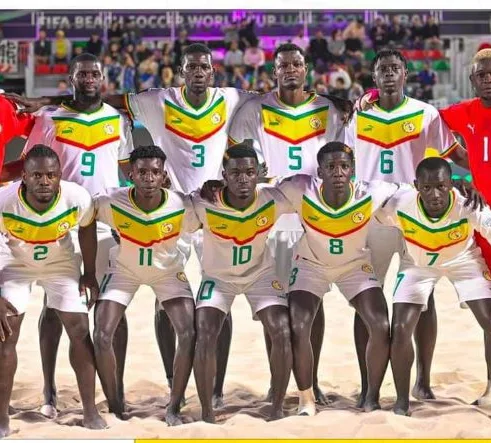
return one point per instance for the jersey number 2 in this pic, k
(40, 253)
(88, 160)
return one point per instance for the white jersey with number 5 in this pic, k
(89, 144)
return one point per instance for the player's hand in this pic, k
(88, 282)
(472, 196)
(210, 189)
(366, 101)
(342, 105)
(6, 308)
(263, 170)
(29, 105)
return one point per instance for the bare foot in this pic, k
(320, 397)
(361, 400)
(421, 392)
(269, 396)
(49, 411)
(276, 414)
(218, 401)
(482, 401)
(4, 427)
(371, 405)
(12, 410)
(401, 407)
(208, 418)
(172, 418)
(94, 421)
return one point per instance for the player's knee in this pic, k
(187, 337)
(400, 332)
(103, 339)
(78, 331)
(301, 326)
(281, 332)
(380, 327)
(207, 332)
(7, 352)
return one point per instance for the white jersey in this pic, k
(148, 239)
(38, 239)
(288, 138)
(390, 144)
(334, 237)
(234, 241)
(194, 140)
(89, 144)
(436, 242)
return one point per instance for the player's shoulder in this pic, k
(73, 191)
(418, 105)
(255, 103)
(9, 192)
(462, 108)
(176, 197)
(267, 192)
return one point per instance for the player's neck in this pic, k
(390, 101)
(148, 204)
(485, 102)
(293, 97)
(85, 104)
(336, 198)
(195, 100)
(235, 202)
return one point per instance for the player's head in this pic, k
(41, 173)
(434, 182)
(241, 170)
(336, 164)
(147, 170)
(481, 74)
(290, 68)
(86, 77)
(197, 68)
(389, 71)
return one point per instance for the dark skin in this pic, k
(148, 176)
(41, 184)
(241, 176)
(335, 171)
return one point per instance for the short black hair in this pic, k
(195, 48)
(387, 52)
(432, 164)
(41, 151)
(288, 47)
(240, 150)
(334, 147)
(150, 151)
(85, 57)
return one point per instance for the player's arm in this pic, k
(387, 213)
(345, 107)
(480, 220)
(125, 146)
(12, 170)
(191, 222)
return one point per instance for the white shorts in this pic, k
(60, 282)
(384, 242)
(120, 286)
(471, 279)
(351, 279)
(265, 291)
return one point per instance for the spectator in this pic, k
(115, 33)
(112, 89)
(77, 50)
(63, 88)
(320, 87)
(42, 48)
(336, 85)
(300, 40)
(112, 69)
(221, 77)
(364, 78)
(115, 51)
(1, 33)
(417, 33)
(239, 80)
(354, 36)
(339, 89)
(179, 45)
(94, 45)
(234, 56)
(254, 58)
(131, 34)
(141, 53)
(167, 77)
(426, 80)
(355, 92)
(318, 51)
(379, 34)
(231, 32)
(61, 48)
(336, 46)
(127, 77)
(147, 73)
(264, 83)
(247, 34)
(397, 34)
(431, 34)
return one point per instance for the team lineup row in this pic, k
(289, 126)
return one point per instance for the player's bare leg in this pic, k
(50, 330)
(120, 344)
(209, 322)
(361, 342)
(372, 308)
(223, 351)
(425, 339)
(8, 366)
(405, 316)
(83, 363)
(317, 338)
(108, 315)
(482, 311)
(166, 340)
(181, 313)
(277, 323)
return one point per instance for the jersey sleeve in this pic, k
(480, 220)
(337, 129)
(439, 135)
(198, 206)
(126, 140)
(103, 212)
(246, 124)
(454, 117)
(144, 106)
(86, 208)
(191, 221)
(293, 188)
(387, 213)
(43, 132)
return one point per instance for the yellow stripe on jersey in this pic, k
(338, 224)
(33, 232)
(294, 128)
(241, 230)
(147, 232)
(195, 127)
(388, 133)
(87, 135)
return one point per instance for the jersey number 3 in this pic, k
(200, 156)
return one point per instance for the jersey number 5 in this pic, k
(386, 162)
(88, 160)
(295, 156)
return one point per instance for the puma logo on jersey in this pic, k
(409, 231)
(471, 127)
(18, 230)
(274, 123)
(176, 121)
(368, 128)
(124, 225)
(67, 131)
(221, 227)
(313, 218)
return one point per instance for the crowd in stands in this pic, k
(339, 63)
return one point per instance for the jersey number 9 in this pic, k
(88, 161)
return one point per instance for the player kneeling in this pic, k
(149, 220)
(438, 229)
(36, 216)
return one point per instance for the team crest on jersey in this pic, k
(109, 129)
(315, 122)
(261, 220)
(215, 118)
(367, 268)
(408, 127)
(63, 227)
(487, 275)
(455, 235)
(167, 227)
(182, 277)
(277, 285)
(357, 217)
